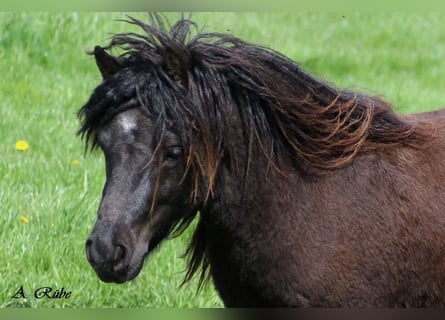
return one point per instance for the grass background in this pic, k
(46, 77)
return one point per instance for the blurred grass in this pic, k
(46, 77)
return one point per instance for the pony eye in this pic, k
(173, 153)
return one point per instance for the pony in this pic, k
(305, 195)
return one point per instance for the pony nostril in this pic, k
(120, 258)
(119, 253)
(90, 255)
(107, 257)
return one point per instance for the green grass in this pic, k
(46, 77)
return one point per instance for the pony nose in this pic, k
(110, 261)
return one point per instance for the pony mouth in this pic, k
(122, 274)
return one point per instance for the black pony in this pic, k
(306, 195)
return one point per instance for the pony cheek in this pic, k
(155, 228)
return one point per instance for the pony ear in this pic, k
(175, 65)
(107, 64)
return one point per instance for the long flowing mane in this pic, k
(195, 83)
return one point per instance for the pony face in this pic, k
(142, 196)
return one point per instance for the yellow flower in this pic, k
(75, 162)
(24, 219)
(21, 145)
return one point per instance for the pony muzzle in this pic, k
(111, 261)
